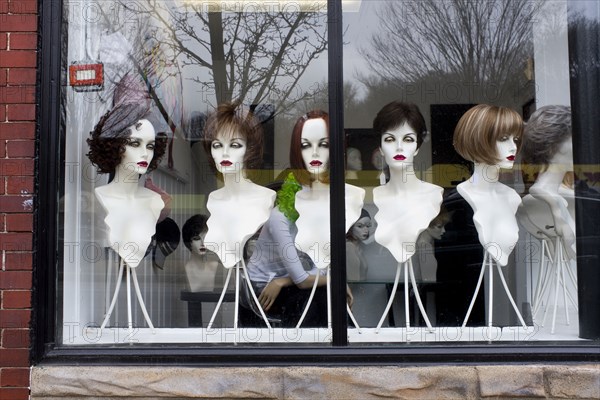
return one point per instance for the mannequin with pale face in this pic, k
(237, 210)
(356, 264)
(233, 137)
(202, 266)
(353, 163)
(550, 207)
(132, 210)
(125, 143)
(489, 137)
(406, 205)
(425, 262)
(312, 202)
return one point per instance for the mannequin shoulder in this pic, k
(262, 191)
(431, 190)
(353, 190)
(511, 195)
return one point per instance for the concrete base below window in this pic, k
(428, 382)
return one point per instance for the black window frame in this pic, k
(48, 254)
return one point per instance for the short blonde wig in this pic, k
(481, 127)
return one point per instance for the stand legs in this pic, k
(218, 306)
(310, 299)
(115, 295)
(237, 296)
(408, 269)
(556, 275)
(131, 275)
(488, 262)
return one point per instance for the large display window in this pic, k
(210, 182)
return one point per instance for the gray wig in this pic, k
(548, 127)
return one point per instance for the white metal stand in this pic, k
(554, 277)
(546, 262)
(131, 274)
(408, 268)
(312, 295)
(237, 267)
(488, 262)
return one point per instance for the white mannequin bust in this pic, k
(550, 204)
(203, 264)
(132, 210)
(494, 207)
(424, 262)
(201, 268)
(240, 207)
(549, 189)
(353, 162)
(312, 202)
(406, 205)
(488, 136)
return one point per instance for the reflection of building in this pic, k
(53, 282)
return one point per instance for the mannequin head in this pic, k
(194, 230)
(489, 135)
(230, 126)
(125, 129)
(360, 230)
(310, 145)
(396, 114)
(353, 159)
(548, 136)
(436, 228)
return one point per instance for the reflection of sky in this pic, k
(197, 98)
(360, 26)
(590, 9)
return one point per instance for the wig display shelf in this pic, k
(112, 336)
(195, 301)
(443, 334)
(427, 289)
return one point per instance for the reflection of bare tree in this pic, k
(476, 41)
(254, 57)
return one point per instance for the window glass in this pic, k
(467, 232)
(179, 122)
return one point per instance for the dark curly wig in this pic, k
(110, 135)
(234, 117)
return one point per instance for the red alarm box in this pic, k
(86, 77)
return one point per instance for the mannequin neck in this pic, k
(235, 182)
(484, 175)
(125, 182)
(318, 185)
(403, 178)
(199, 258)
(425, 237)
(550, 179)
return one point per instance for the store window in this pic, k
(458, 125)
(199, 173)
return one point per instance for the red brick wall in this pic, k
(18, 44)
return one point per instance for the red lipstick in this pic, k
(143, 164)
(399, 157)
(510, 158)
(315, 163)
(226, 163)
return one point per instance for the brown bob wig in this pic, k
(234, 118)
(110, 136)
(395, 114)
(296, 161)
(481, 127)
